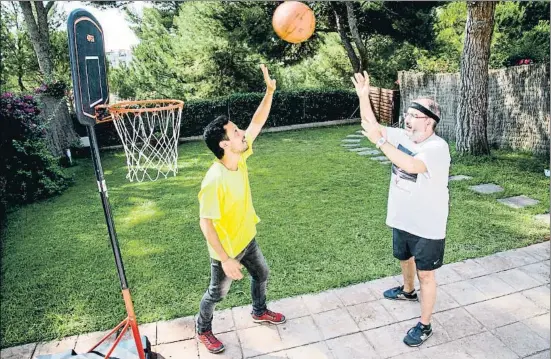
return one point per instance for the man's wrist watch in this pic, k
(380, 142)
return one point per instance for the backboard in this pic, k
(88, 64)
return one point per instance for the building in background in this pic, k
(118, 57)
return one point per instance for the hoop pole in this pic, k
(106, 207)
(130, 321)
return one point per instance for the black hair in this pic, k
(214, 133)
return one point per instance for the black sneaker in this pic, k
(418, 335)
(398, 293)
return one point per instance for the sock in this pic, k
(412, 291)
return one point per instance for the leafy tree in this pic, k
(18, 68)
(521, 31)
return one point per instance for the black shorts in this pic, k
(428, 253)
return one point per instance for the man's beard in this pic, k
(414, 135)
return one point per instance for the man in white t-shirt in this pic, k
(418, 198)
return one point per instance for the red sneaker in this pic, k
(212, 344)
(269, 316)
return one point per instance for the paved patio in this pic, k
(491, 307)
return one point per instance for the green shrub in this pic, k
(28, 170)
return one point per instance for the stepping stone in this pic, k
(369, 152)
(360, 131)
(350, 145)
(355, 136)
(359, 149)
(379, 158)
(486, 188)
(385, 162)
(459, 178)
(351, 140)
(543, 218)
(23, 351)
(518, 201)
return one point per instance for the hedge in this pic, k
(288, 108)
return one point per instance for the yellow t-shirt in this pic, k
(225, 198)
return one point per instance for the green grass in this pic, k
(322, 213)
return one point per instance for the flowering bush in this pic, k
(55, 89)
(29, 172)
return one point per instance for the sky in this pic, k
(117, 33)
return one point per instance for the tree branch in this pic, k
(356, 35)
(354, 61)
(38, 32)
(28, 15)
(49, 5)
(42, 19)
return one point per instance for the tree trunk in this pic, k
(40, 37)
(472, 111)
(354, 61)
(22, 87)
(356, 36)
(60, 134)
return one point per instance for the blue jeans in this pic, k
(252, 259)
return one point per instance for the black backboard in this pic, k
(88, 64)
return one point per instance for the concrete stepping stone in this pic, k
(545, 218)
(355, 136)
(518, 201)
(369, 153)
(459, 178)
(487, 188)
(379, 158)
(359, 131)
(348, 145)
(351, 140)
(385, 162)
(359, 149)
(23, 351)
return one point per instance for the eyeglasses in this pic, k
(407, 114)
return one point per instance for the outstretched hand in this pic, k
(361, 84)
(270, 83)
(372, 131)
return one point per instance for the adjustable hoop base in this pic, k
(141, 349)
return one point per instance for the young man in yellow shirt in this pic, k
(228, 219)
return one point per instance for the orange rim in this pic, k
(123, 107)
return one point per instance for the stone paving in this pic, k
(491, 307)
(518, 201)
(459, 178)
(487, 188)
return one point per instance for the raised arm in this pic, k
(362, 86)
(374, 131)
(263, 110)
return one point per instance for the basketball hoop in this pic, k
(149, 132)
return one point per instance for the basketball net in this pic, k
(149, 132)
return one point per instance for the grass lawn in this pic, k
(322, 211)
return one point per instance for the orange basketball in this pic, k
(294, 22)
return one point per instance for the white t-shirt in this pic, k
(418, 203)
